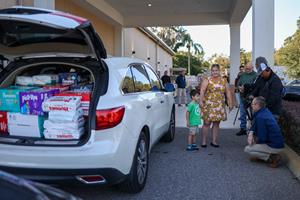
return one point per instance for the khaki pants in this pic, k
(261, 151)
(181, 93)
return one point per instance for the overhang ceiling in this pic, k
(133, 13)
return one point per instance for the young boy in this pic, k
(193, 120)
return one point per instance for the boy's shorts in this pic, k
(193, 130)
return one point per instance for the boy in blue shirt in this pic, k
(193, 120)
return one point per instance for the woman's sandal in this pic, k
(214, 145)
(203, 145)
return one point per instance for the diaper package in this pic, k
(63, 134)
(61, 103)
(45, 79)
(24, 81)
(31, 101)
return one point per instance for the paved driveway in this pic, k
(211, 173)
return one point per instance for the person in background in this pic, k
(242, 70)
(265, 140)
(165, 78)
(212, 103)
(268, 85)
(181, 88)
(248, 77)
(193, 120)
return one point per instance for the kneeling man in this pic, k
(265, 140)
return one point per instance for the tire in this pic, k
(170, 134)
(137, 177)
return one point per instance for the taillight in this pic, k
(109, 118)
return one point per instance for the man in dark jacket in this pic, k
(265, 140)
(165, 78)
(268, 85)
(181, 85)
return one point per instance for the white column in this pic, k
(263, 30)
(234, 51)
(47, 4)
(119, 46)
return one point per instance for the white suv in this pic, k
(129, 110)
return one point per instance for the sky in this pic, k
(216, 39)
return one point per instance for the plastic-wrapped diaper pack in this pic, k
(24, 81)
(50, 124)
(61, 103)
(63, 134)
(45, 79)
(71, 116)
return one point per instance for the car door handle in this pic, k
(162, 101)
(148, 106)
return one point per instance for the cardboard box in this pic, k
(10, 99)
(31, 101)
(70, 78)
(61, 88)
(25, 125)
(3, 123)
(81, 88)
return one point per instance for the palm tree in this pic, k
(189, 43)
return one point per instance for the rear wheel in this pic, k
(170, 135)
(136, 180)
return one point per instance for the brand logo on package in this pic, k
(29, 97)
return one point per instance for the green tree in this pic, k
(245, 57)
(222, 60)
(170, 35)
(191, 46)
(198, 65)
(289, 54)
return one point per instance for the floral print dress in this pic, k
(214, 101)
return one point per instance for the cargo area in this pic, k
(46, 104)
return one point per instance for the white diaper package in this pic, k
(63, 134)
(24, 80)
(61, 103)
(49, 124)
(46, 79)
(59, 116)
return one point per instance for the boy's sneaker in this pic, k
(189, 148)
(195, 147)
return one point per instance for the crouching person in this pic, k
(265, 140)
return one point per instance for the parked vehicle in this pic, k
(127, 111)
(292, 91)
(15, 188)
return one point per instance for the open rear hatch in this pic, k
(53, 65)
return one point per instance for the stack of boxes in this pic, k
(32, 105)
(65, 119)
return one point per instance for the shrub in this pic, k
(290, 124)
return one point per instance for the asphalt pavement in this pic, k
(210, 173)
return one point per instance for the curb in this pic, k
(293, 161)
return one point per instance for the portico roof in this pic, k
(133, 13)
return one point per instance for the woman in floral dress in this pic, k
(212, 102)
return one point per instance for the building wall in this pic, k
(105, 30)
(139, 45)
(10, 3)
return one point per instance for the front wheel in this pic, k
(137, 177)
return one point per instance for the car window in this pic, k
(141, 81)
(155, 83)
(128, 84)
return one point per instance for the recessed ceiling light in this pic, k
(149, 4)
